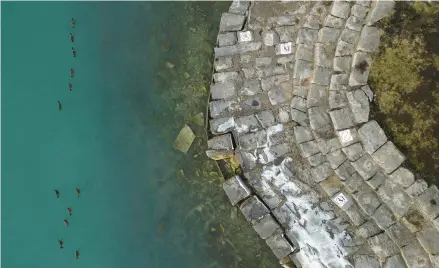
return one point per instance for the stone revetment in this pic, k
(323, 185)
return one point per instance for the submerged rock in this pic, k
(198, 119)
(184, 139)
(169, 65)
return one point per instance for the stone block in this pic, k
(397, 200)
(333, 22)
(220, 108)
(353, 182)
(285, 59)
(317, 96)
(345, 170)
(383, 217)
(239, 7)
(250, 88)
(266, 118)
(383, 246)
(360, 69)
(354, 151)
(284, 215)
(365, 3)
(428, 202)
(414, 220)
(365, 261)
(434, 260)
(417, 188)
(414, 255)
(336, 158)
(340, 9)
(331, 185)
(300, 117)
(337, 99)
(299, 103)
(368, 229)
(396, 261)
(356, 215)
(286, 33)
(231, 22)
(307, 36)
(282, 20)
(303, 134)
(280, 246)
(339, 82)
(343, 200)
(372, 135)
(366, 167)
(247, 160)
(359, 11)
(322, 172)
(318, 118)
(368, 92)
(354, 23)
(274, 80)
(263, 61)
(312, 22)
(284, 48)
(253, 141)
(359, 104)
(246, 124)
(403, 177)
(222, 125)
(350, 36)
(321, 75)
(379, 11)
(270, 38)
(226, 39)
(400, 234)
(388, 157)
(342, 64)
(253, 104)
(309, 148)
(236, 189)
(280, 95)
(369, 39)
(342, 118)
(222, 142)
(245, 36)
(266, 226)
(219, 154)
(327, 146)
(344, 49)
(348, 136)
(367, 199)
(223, 63)
(317, 159)
(239, 48)
(429, 239)
(253, 209)
(328, 35)
(223, 91)
(324, 55)
(225, 77)
(377, 180)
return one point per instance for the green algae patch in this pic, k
(184, 139)
(405, 79)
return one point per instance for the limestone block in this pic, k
(359, 104)
(299, 103)
(360, 69)
(245, 36)
(343, 49)
(353, 183)
(303, 134)
(429, 239)
(309, 148)
(300, 117)
(402, 177)
(337, 99)
(356, 215)
(372, 135)
(368, 229)
(225, 77)
(266, 118)
(223, 90)
(246, 124)
(366, 261)
(321, 75)
(367, 199)
(383, 217)
(253, 209)
(328, 35)
(270, 38)
(317, 159)
(274, 80)
(324, 55)
(239, 6)
(343, 200)
(222, 142)
(253, 141)
(359, 11)
(317, 96)
(266, 226)
(396, 261)
(302, 70)
(284, 215)
(327, 146)
(280, 246)
(345, 170)
(428, 202)
(388, 157)
(415, 256)
(340, 9)
(354, 23)
(322, 172)
(286, 59)
(318, 117)
(280, 95)
(368, 92)
(239, 48)
(366, 167)
(223, 63)
(381, 9)
(342, 64)
(339, 82)
(331, 185)
(342, 118)
(397, 200)
(286, 33)
(400, 234)
(377, 180)
(350, 36)
(383, 246)
(369, 39)
(414, 220)
(336, 158)
(247, 160)
(226, 39)
(307, 36)
(333, 22)
(354, 151)
(236, 189)
(417, 188)
(231, 22)
(263, 61)
(250, 87)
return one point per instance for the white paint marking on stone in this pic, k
(340, 199)
(285, 48)
(346, 136)
(226, 125)
(245, 36)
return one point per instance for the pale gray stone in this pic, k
(222, 142)
(353, 151)
(414, 221)
(280, 95)
(344, 49)
(360, 69)
(356, 215)
(317, 159)
(359, 104)
(245, 36)
(353, 182)
(337, 99)
(354, 23)
(342, 64)
(365, 3)
(263, 61)
(396, 261)
(231, 22)
(223, 91)
(304, 52)
(266, 226)
(246, 59)
(312, 22)
(272, 70)
(223, 63)
(239, 48)
(414, 255)
(368, 92)
(417, 188)
(321, 75)
(336, 158)
(328, 35)
(324, 55)
(366, 167)
(381, 9)
(303, 134)
(372, 135)
(429, 239)
(303, 70)
(339, 82)
(307, 36)
(350, 36)
(333, 22)
(239, 6)
(300, 117)
(270, 38)
(266, 118)
(317, 96)
(286, 59)
(253, 209)
(365, 261)
(327, 146)
(428, 202)
(368, 229)
(246, 160)
(377, 180)
(402, 177)
(383, 246)
(397, 200)
(286, 33)
(345, 170)
(226, 39)
(359, 11)
(250, 87)
(434, 260)
(253, 141)
(236, 189)
(274, 80)
(383, 217)
(369, 39)
(322, 172)
(222, 125)
(220, 108)
(388, 157)
(225, 77)
(331, 185)
(400, 234)
(301, 91)
(340, 9)
(367, 199)
(246, 124)
(282, 20)
(341, 118)
(252, 104)
(280, 246)
(309, 148)
(318, 118)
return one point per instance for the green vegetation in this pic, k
(405, 78)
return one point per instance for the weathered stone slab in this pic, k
(331, 185)
(253, 141)
(400, 234)
(397, 200)
(236, 189)
(429, 239)
(340, 9)
(369, 39)
(239, 48)
(222, 142)
(266, 226)
(428, 202)
(231, 22)
(305, 52)
(328, 35)
(354, 151)
(300, 117)
(266, 118)
(309, 148)
(324, 55)
(356, 215)
(303, 70)
(414, 220)
(303, 134)
(287, 33)
(336, 158)
(285, 59)
(321, 75)
(344, 49)
(417, 188)
(403, 177)
(353, 183)
(359, 104)
(360, 69)
(280, 246)
(270, 38)
(274, 80)
(368, 229)
(307, 36)
(359, 11)
(246, 124)
(184, 139)
(222, 125)
(396, 261)
(299, 103)
(379, 11)
(342, 64)
(318, 117)
(383, 246)
(317, 159)
(372, 135)
(253, 209)
(223, 63)
(388, 157)
(383, 217)
(342, 119)
(322, 172)
(225, 77)
(333, 22)
(350, 36)
(365, 261)
(337, 99)
(345, 170)
(226, 39)
(239, 7)
(354, 23)
(223, 91)
(280, 95)
(250, 87)
(377, 180)
(317, 96)
(367, 199)
(366, 167)
(263, 61)
(414, 255)
(339, 82)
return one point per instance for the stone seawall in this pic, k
(322, 183)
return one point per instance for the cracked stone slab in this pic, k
(383, 217)
(372, 135)
(266, 118)
(342, 118)
(266, 226)
(253, 209)
(365, 166)
(274, 80)
(379, 11)
(359, 104)
(360, 69)
(397, 200)
(383, 246)
(236, 189)
(327, 146)
(280, 246)
(428, 202)
(415, 256)
(429, 239)
(388, 157)
(231, 22)
(239, 48)
(369, 39)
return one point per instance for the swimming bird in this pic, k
(70, 86)
(73, 23)
(56, 191)
(59, 105)
(73, 52)
(66, 223)
(72, 72)
(72, 37)
(61, 243)
(69, 210)
(77, 254)
(78, 192)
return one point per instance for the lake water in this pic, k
(141, 74)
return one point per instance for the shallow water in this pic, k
(113, 139)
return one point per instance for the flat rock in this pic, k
(381, 9)
(266, 226)
(303, 134)
(222, 125)
(365, 261)
(383, 246)
(340, 9)
(322, 172)
(367, 199)
(219, 154)
(236, 189)
(266, 118)
(300, 117)
(403, 177)
(342, 64)
(359, 104)
(184, 139)
(414, 220)
(253, 209)
(302, 70)
(369, 39)
(317, 159)
(239, 6)
(223, 91)
(222, 142)
(428, 202)
(415, 256)
(400, 234)
(388, 157)
(342, 118)
(280, 246)
(231, 22)
(429, 239)
(280, 95)
(397, 200)
(383, 217)
(354, 151)
(226, 39)
(360, 69)
(372, 135)
(396, 261)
